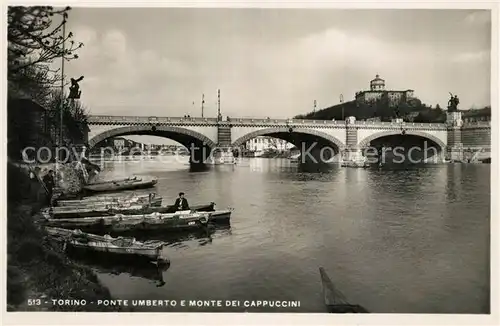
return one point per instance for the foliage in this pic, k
(34, 42)
(37, 265)
(35, 39)
(430, 115)
(486, 111)
(75, 114)
(414, 110)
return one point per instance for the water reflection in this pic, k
(117, 266)
(316, 168)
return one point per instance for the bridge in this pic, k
(348, 140)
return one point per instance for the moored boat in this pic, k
(125, 246)
(334, 300)
(136, 182)
(113, 209)
(184, 220)
(152, 199)
(197, 208)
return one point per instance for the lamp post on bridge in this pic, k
(342, 105)
(219, 117)
(202, 104)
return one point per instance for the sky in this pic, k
(274, 62)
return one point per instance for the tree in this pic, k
(74, 115)
(34, 42)
(75, 109)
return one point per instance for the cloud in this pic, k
(116, 72)
(262, 78)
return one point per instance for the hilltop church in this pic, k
(378, 92)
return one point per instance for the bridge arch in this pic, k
(364, 143)
(181, 135)
(283, 132)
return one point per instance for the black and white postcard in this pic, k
(327, 161)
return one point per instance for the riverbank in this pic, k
(37, 267)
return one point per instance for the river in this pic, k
(412, 240)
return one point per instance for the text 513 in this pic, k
(34, 302)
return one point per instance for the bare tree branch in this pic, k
(35, 40)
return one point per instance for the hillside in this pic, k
(415, 111)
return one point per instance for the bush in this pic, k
(37, 264)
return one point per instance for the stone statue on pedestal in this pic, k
(74, 89)
(453, 103)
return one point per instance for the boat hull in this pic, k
(109, 201)
(126, 247)
(93, 211)
(133, 223)
(127, 184)
(146, 253)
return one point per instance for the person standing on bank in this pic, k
(48, 179)
(181, 203)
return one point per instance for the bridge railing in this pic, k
(281, 121)
(146, 120)
(109, 119)
(357, 123)
(399, 124)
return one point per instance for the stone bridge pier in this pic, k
(199, 153)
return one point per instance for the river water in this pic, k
(412, 240)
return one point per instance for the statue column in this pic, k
(352, 151)
(454, 124)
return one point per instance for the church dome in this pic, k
(377, 84)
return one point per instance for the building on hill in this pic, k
(378, 92)
(376, 103)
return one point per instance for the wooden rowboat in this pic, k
(152, 199)
(335, 301)
(124, 246)
(196, 208)
(94, 210)
(122, 184)
(124, 223)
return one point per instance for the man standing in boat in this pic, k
(181, 203)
